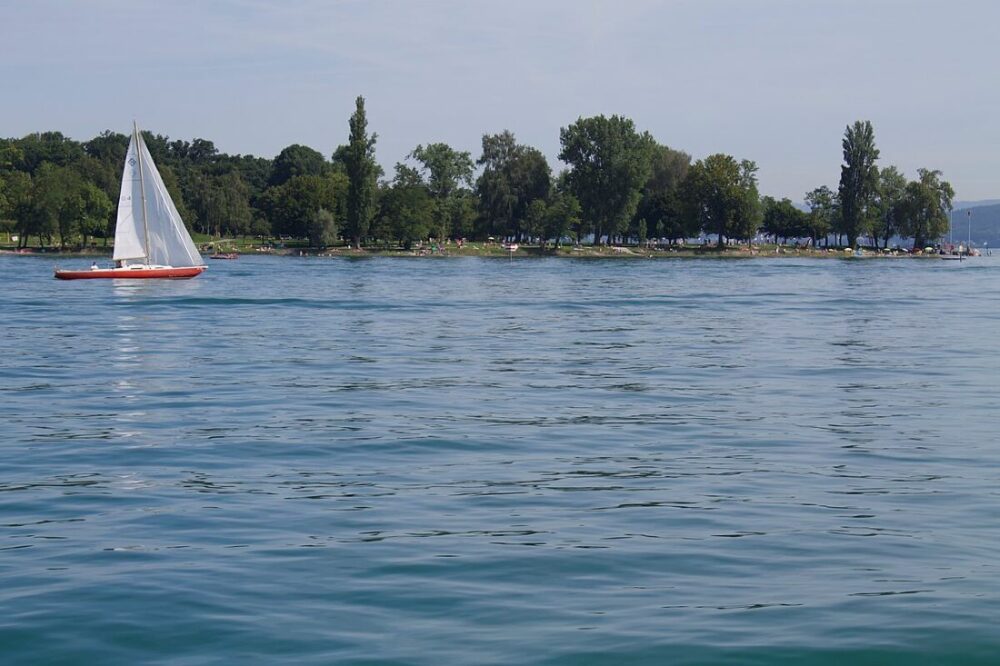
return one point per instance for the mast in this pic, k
(142, 188)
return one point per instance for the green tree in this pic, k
(534, 223)
(236, 204)
(823, 212)
(90, 209)
(7, 225)
(887, 209)
(51, 187)
(749, 213)
(721, 194)
(562, 215)
(322, 228)
(181, 196)
(783, 220)
(513, 177)
(659, 206)
(222, 205)
(359, 160)
(254, 171)
(64, 203)
(339, 186)
(296, 160)
(291, 207)
(203, 151)
(103, 167)
(11, 155)
(406, 211)
(260, 226)
(103, 174)
(665, 216)
(108, 146)
(18, 195)
(47, 147)
(463, 208)
(498, 197)
(858, 180)
(446, 170)
(609, 165)
(926, 206)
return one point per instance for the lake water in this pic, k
(468, 461)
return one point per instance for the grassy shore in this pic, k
(209, 246)
(499, 250)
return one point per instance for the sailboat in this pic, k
(150, 238)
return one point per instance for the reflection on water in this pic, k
(511, 462)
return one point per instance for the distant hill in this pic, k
(962, 205)
(985, 222)
(985, 225)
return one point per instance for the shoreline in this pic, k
(529, 252)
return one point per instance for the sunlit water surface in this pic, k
(481, 461)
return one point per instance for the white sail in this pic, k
(150, 228)
(129, 235)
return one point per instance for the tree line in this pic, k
(877, 204)
(619, 186)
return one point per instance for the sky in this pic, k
(775, 81)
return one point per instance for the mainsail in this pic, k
(149, 227)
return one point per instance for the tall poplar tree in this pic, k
(359, 159)
(858, 179)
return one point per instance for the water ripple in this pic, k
(546, 462)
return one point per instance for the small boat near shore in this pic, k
(962, 252)
(224, 255)
(151, 241)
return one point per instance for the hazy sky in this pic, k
(775, 81)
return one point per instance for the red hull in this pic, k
(184, 273)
